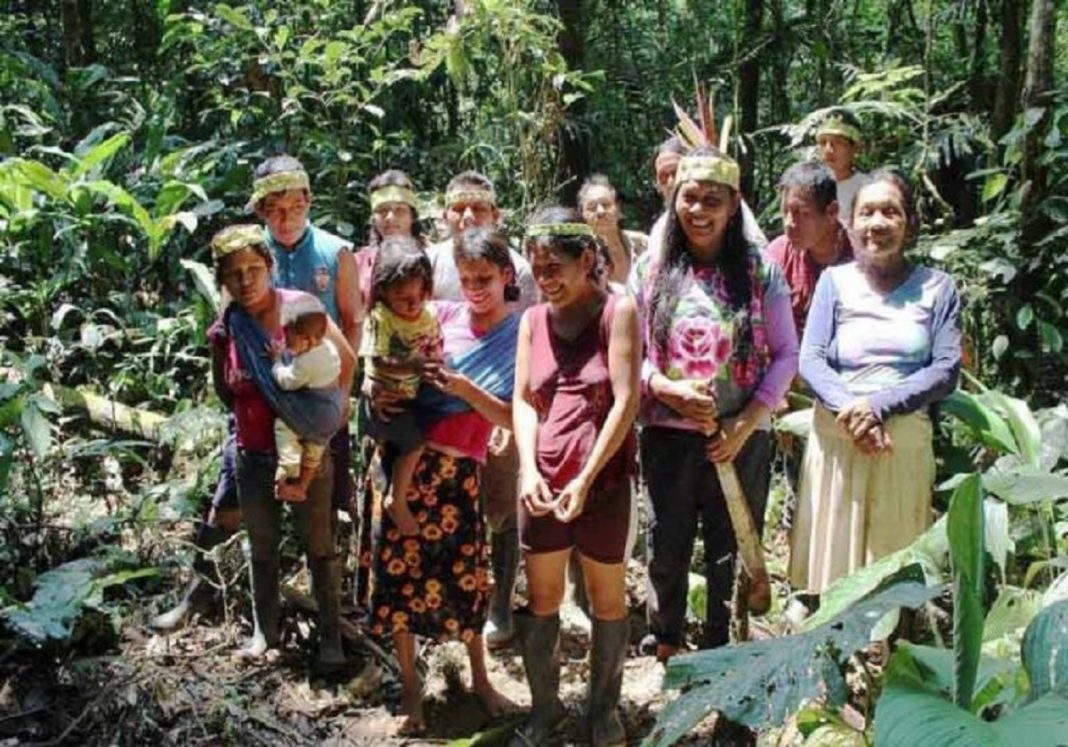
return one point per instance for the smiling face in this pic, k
(393, 219)
(838, 153)
(405, 298)
(881, 224)
(246, 275)
(466, 214)
(806, 224)
(286, 214)
(561, 278)
(704, 209)
(600, 209)
(483, 284)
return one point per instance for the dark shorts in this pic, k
(401, 430)
(600, 532)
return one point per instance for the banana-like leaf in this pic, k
(987, 426)
(1045, 652)
(964, 527)
(1023, 485)
(1025, 428)
(761, 683)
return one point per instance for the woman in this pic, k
(435, 584)
(241, 375)
(599, 204)
(882, 344)
(394, 212)
(576, 383)
(720, 353)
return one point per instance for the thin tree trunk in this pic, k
(573, 139)
(1006, 99)
(1038, 80)
(976, 90)
(749, 94)
(78, 47)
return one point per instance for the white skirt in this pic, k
(855, 508)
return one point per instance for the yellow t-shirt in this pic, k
(386, 335)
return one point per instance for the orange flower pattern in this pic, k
(435, 584)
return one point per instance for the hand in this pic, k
(689, 398)
(572, 500)
(384, 402)
(875, 441)
(535, 493)
(725, 445)
(451, 382)
(275, 349)
(857, 418)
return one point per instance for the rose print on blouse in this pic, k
(698, 347)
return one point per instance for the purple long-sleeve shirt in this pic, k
(899, 349)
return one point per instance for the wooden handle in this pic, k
(749, 547)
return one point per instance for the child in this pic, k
(838, 139)
(315, 364)
(400, 336)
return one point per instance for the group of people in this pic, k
(502, 384)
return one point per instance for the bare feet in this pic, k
(402, 517)
(496, 703)
(291, 491)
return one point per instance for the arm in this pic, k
(218, 377)
(819, 333)
(533, 491)
(936, 380)
(349, 304)
(782, 341)
(624, 364)
(492, 408)
(290, 377)
(345, 353)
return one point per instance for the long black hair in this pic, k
(491, 245)
(570, 246)
(399, 259)
(675, 262)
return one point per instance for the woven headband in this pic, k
(235, 238)
(559, 229)
(470, 195)
(283, 181)
(835, 125)
(718, 169)
(393, 193)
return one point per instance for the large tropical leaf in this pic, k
(763, 682)
(986, 425)
(1045, 652)
(1025, 428)
(1024, 484)
(938, 664)
(964, 526)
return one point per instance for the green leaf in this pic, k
(936, 667)
(58, 600)
(995, 185)
(798, 423)
(999, 346)
(43, 179)
(204, 279)
(761, 683)
(36, 429)
(964, 527)
(1023, 485)
(1025, 429)
(1013, 610)
(989, 427)
(1024, 316)
(234, 17)
(1045, 651)
(7, 457)
(1052, 341)
(100, 153)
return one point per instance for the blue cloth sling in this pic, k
(313, 414)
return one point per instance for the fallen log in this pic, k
(108, 414)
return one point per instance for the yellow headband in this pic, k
(559, 229)
(718, 169)
(470, 195)
(393, 193)
(235, 238)
(283, 181)
(836, 125)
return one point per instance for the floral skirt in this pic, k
(435, 584)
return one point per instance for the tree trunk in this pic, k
(77, 21)
(1007, 97)
(1037, 82)
(749, 95)
(976, 89)
(573, 139)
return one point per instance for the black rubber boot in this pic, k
(540, 641)
(326, 583)
(607, 655)
(200, 592)
(504, 560)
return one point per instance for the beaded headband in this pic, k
(559, 229)
(235, 238)
(283, 181)
(834, 124)
(393, 193)
(718, 169)
(470, 195)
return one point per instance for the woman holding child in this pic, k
(430, 558)
(576, 387)
(242, 343)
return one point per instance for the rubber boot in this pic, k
(263, 576)
(607, 654)
(540, 641)
(326, 583)
(199, 593)
(504, 560)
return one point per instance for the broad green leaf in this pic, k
(1025, 316)
(7, 456)
(234, 17)
(204, 279)
(936, 667)
(1052, 341)
(100, 153)
(997, 539)
(1043, 723)
(964, 527)
(1045, 651)
(1013, 610)
(1024, 485)
(994, 186)
(836, 735)
(43, 179)
(798, 423)
(762, 682)
(36, 429)
(990, 428)
(1025, 428)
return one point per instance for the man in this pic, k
(471, 202)
(814, 237)
(838, 139)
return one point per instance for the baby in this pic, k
(401, 335)
(315, 365)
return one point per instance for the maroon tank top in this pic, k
(572, 395)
